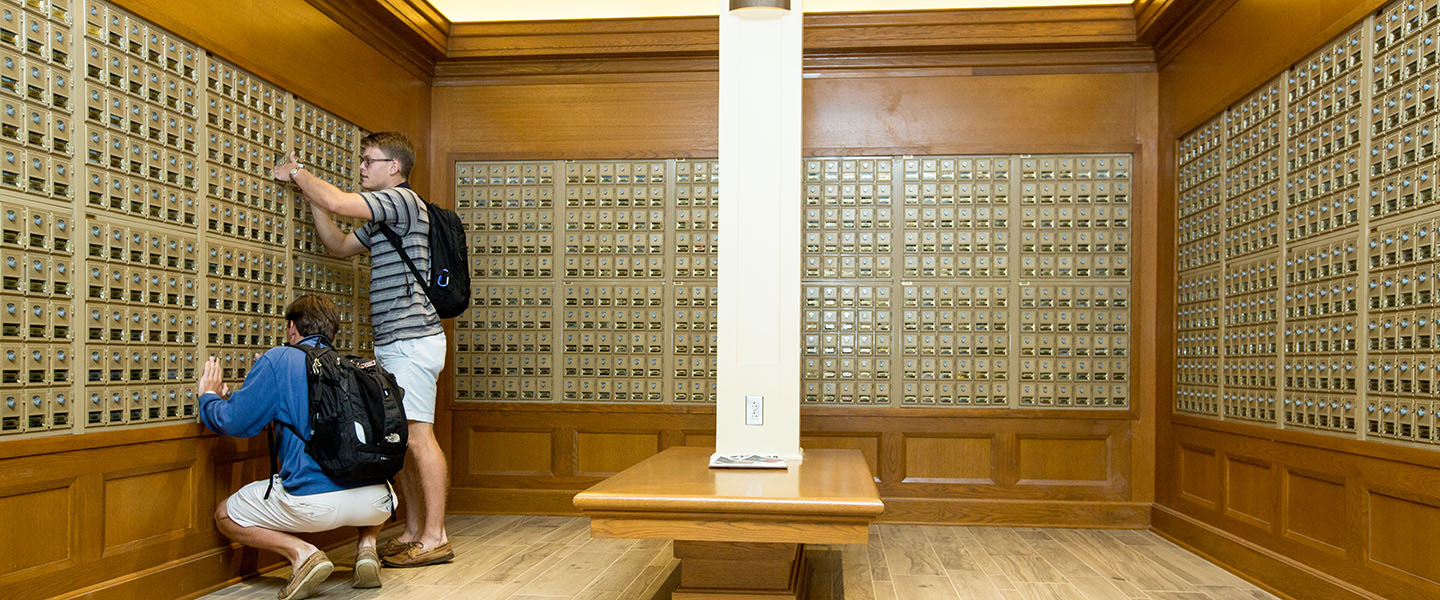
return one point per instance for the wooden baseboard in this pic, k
(189, 577)
(1267, 569)
(199, 574)
(1017, 513)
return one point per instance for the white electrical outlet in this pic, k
(754, 410)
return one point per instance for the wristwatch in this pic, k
(295, 169)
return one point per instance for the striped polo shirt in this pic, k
(399, 308)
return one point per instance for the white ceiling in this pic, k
(524, 10)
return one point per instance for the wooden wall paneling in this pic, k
(973, 114)
(586, 443)
(523, 453)
(40, 513)
(918, 450)
(1346, 520)
(639, 119)
(604, 453)
(1313, 510)
(949, 459)
(1250, 491)
(1244, 47)
(1199, 469)
(869, 445)
(1402, 532)
(126, 521)
(148, 504)
(1074, 460)
(704, 440)
(926, 464)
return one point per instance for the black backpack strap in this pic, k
(270, 437)
(274, 445)
(400, 247)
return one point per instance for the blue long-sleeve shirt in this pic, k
(274, 390)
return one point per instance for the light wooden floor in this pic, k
(553, 558)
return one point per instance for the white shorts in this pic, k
(355, 507)
(416, 365)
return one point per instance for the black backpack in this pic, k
(358, 432)
(448, 285)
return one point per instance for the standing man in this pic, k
(301, 498)
(409, 340)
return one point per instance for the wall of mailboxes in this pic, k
(141, 229)
(1308, 237)
(960, 281)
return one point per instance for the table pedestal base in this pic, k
(741, 571)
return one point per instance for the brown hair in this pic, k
(314, 315)
(395, 146)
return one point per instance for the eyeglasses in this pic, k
(366, 161)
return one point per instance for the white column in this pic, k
(760, 212)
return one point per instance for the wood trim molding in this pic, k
(423, 19)
(100, 439)
(1109, 58)
(593, 37)
(414, 37)
(863, 32)
(530, 70)
(1412, 455)
(1174, 39)
(972, 28)
(1017, 513)
(1155, 18)
(922, 414)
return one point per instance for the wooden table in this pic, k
(739, 533)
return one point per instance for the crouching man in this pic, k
(300, 498)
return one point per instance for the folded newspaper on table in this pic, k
(747, 461)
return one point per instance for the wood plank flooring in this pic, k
(553, 558)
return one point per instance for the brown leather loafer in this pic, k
(367, 568)
(419, 556)
(392, 547)
(309, 576)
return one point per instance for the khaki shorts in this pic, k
(416, 364)
(355, 507)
